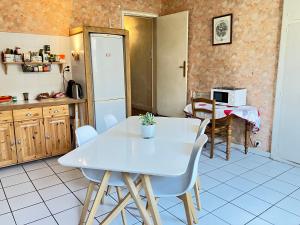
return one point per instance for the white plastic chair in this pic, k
(182, 185)
(85, 134)
(200, 132)
(110, 121)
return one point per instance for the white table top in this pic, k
(122, 149)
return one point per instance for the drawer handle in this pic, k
(28, 114)
(56, 111)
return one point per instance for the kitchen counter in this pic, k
(39, 103)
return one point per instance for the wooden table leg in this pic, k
(86, 202)
(123, 212)
(121, 205)
(151, 199)
(98, 197)
(246, 136)
(229, 136)
(136, 197)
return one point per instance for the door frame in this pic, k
(146, 15)
(286, 21)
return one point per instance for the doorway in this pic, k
(141, 32)
(159, 59)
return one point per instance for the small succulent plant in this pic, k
(147, 119)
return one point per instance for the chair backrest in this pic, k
(192, 170)
(85, 134)
(110, 121)
(202, 127)
(195, 109)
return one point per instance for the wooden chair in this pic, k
(218, 127)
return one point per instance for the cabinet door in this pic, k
(57, 133)
(8, 153)
(30, 140)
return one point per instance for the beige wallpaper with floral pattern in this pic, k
(107, 13)
(250, 61)
(36, 16)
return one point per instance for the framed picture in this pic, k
(222, 30)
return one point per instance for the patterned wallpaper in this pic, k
(108, 13)
(36, 16)
(250, 61)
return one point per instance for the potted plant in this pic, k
(147, 125)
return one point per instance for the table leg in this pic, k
(98, 197)
(246, 136)
(123, 212)
(86, 202)
(151, 199)
(121, 205)
(136, 197)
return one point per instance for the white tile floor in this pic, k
(249, 189)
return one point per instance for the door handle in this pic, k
(183, 67)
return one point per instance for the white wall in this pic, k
(16, 82)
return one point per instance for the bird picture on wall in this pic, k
(222, 30)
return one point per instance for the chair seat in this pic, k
(115, 179)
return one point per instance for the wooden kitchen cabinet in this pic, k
(8, 154)
(35, 129)
(58, 135)
(30, 140)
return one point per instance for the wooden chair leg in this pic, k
(246, 136)
(123, 212)
(212, 144)
(192, 208)
(197, 193)
(228, 145)
(86, 202)
(187, 208)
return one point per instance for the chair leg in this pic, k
(86, 202)
(192, 208)
(123, 212)
(187, 207)
(212, 144)
(228, 145)
(197, 193)
(246, 137)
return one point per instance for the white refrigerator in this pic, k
(108, 77)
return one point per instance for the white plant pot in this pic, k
(148, 131)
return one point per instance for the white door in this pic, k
(172, 56)
(286, 133)
(108, 66)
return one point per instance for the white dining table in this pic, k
(122, 149)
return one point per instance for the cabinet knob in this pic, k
(56, 111)
(19, 142)
(28, 114)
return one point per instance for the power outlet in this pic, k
(257, 144)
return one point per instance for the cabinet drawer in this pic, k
(53, 111)
(27, 114)
(6, 116)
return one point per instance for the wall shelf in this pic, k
(5, 64)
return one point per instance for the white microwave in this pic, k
(229, 96)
